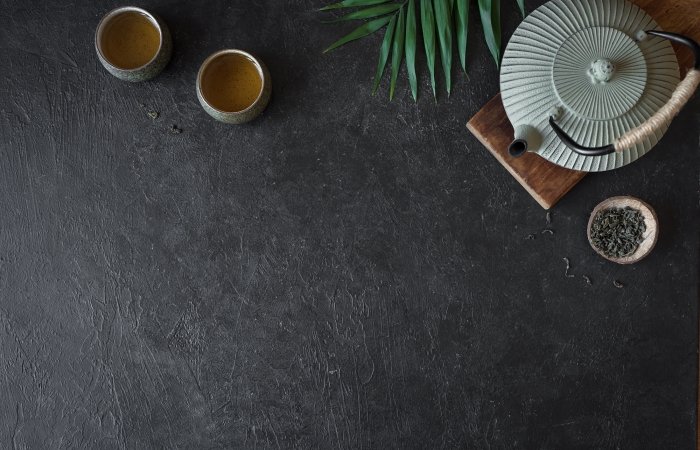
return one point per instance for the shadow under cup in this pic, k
(233, 86)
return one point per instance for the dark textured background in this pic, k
(344, 272)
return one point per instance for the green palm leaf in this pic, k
(461, 25)
(440, 21)
(411, 48)
(397, 52)
(384, 53)
(490, 12)
(443, 18)
(361, 31)
(367, 13)
(352, 3)
(427, 19)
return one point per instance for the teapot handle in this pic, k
(663, 116)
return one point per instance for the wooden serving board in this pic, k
(546, 182)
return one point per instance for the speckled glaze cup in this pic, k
(245, 115)
(152, 67)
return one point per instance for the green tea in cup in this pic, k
(130, 40)
(133, 44)
(233, 86)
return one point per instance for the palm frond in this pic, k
(361, 31)
(440, 22)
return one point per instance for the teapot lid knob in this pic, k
(601, 71)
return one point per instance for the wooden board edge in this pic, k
(542, 202)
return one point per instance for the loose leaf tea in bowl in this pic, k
(623, 229)
(617, 232)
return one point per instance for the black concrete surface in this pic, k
(345, 272)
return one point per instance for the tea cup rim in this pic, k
(113, 14)
(217, 54)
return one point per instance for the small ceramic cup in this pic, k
(128, 38)
(241, 115)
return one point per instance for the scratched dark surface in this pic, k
(345, 272)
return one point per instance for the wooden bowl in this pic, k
(650, 220)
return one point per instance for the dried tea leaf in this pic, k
(568, 266)
(617, 232)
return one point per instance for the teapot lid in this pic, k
(590, 62)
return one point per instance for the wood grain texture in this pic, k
(546, 182)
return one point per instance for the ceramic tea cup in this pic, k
(233, 86)
(133, 44)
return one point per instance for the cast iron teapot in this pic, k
(592, 85)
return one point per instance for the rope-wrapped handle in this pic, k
(661, 118)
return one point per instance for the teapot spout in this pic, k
(526, 138)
